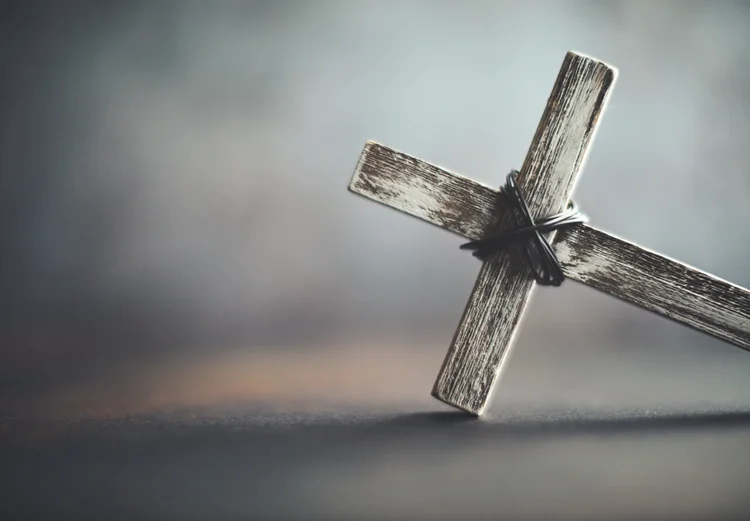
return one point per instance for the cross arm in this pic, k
(588, 255)
(656, 282)
(420, 189)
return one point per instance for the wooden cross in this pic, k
(596, 258)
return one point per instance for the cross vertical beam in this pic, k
(484, 336)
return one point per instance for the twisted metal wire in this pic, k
(539, 253)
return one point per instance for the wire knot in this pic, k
(542, 259)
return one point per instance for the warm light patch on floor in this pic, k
(386, 373)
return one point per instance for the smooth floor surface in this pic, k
(243, 462)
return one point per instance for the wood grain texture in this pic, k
(656, 282)
(431, 193)
(504, 284)
(588, 255)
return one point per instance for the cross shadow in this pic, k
(553, 424)
(434, 426)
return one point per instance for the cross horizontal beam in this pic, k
(588, 255)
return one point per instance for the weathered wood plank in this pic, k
(503, 286)
(423, 190)
(502, 289)
(656, 282)
(588, 255)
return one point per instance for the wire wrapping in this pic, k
(542, 259)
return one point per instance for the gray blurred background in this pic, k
(176, 229)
